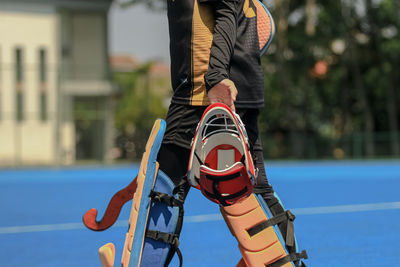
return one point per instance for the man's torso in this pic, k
(191, 26)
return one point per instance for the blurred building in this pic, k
(123, 63)
(55, 88)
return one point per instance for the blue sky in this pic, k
(139, 32)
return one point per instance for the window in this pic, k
(18, 65)
(42, 65)
(1, 70)
(43, 84)
(19, 76)
(43, 106)
(20, 106)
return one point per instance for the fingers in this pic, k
(233, 93)
(224, 92)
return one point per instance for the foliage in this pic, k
(311, 116)
(136, 111)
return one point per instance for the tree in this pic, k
(136, 111)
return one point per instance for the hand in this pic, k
(223, 92)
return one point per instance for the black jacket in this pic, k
(211, 40)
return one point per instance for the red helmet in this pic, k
(220, 163)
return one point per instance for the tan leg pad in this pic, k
(107, 255)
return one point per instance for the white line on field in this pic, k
(207, 217)
(347, 208)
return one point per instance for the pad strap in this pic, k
(292, 257)
(172, 239)
(286, 216)
(261, 189)
(166, 199)
(286, 226)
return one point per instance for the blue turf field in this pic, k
(348, 214)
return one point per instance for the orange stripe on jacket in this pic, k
(202, 37)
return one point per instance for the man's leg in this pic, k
(174, 154)
(174, 161)
(250, 120)
(263, 187)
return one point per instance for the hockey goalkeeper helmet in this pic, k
(220, 163)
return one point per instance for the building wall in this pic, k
(30, 28)
(88, 47)
(83, 43)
